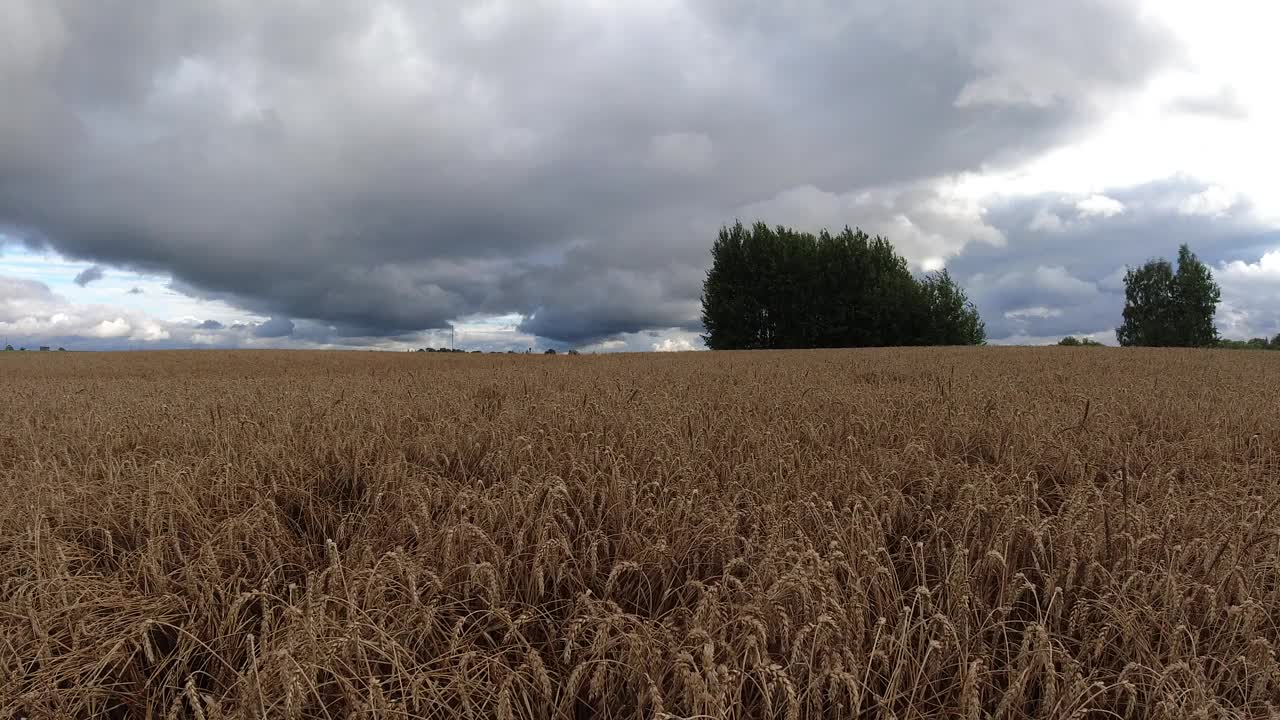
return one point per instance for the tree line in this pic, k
(1257, 343)
(776, 287)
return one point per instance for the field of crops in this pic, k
(972, 533)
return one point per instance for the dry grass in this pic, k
(1008, 533)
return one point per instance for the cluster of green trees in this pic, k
(1073, 341)
(1168, 308)
(775, 287)
(780, 288)
(1251, 344)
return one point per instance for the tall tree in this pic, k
(779, 288)
(1164, 308)
(1148, 305)
(730, 311)
(1197, 297)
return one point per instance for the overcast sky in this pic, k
(551, 173)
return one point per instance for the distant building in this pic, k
(44, 348)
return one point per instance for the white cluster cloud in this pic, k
(1250, 297)
(1081, 211)
(1037, 311)
(673, 345)
(1213, 201)
(664, 340)
(1099, 205)
(1046, 220)
(1265, 270)
(30, 312)
(927, 221)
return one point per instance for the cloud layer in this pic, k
(375, 170)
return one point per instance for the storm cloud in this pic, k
(88, 275)
(385, 168)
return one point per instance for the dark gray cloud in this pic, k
(275, 327)
(88, 275)
(1061, 270)
(136, 291)
(210, 325)
(390, 167)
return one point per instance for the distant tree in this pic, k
(1250, 344)
(1069, 340)
(1164, 308)
(549, 351)
(779, 288)
(1257, 343)
(8, 348)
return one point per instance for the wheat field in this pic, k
(922, 533)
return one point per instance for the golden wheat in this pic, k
(1009, 533)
